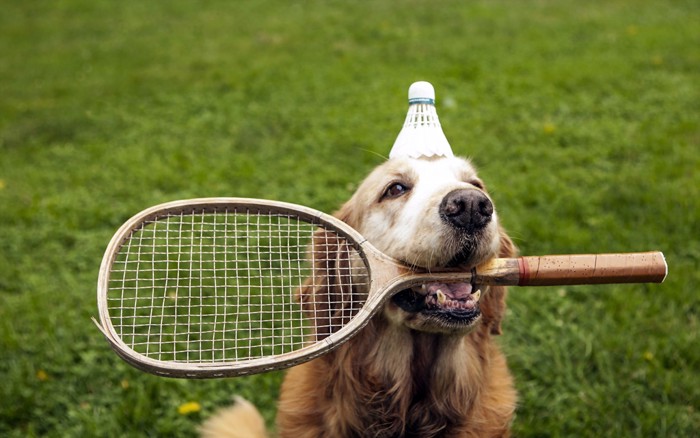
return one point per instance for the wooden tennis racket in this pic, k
(209, 287)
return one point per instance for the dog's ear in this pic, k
(333, 293)
(493, 304)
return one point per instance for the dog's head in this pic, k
(432, 214)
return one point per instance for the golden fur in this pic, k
(404, 375)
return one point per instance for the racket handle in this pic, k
(551, 270)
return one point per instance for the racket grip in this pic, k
(551, 270)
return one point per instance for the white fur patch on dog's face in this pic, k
(397, 208)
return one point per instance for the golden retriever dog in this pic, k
(426, 365)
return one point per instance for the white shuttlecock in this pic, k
(421, 135)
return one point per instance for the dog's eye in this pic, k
(395, 190)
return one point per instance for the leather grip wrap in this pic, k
(643, 267)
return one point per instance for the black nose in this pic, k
(468, 209)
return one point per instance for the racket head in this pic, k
(216, 287)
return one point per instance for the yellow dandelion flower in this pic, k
(189, 408)
(124, 384)
(549, 128)
(648, 356)
(41, 375)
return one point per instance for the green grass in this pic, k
(582, 117)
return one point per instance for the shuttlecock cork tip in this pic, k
(421, 135)
(421, 92)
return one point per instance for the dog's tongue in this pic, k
(453, 291)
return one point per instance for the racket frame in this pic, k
(393, 268)
(386, 276)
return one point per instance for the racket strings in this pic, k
(232, 285)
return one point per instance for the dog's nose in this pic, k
(468, 209)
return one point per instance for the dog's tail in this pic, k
(242, 420)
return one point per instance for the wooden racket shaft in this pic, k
(218, 287)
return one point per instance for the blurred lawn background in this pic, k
(581, 116)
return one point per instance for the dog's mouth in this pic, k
(453, 304)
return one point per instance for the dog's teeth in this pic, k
(476, 295)
(441, 298)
